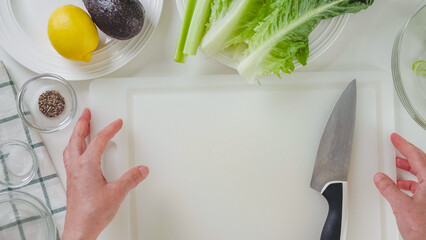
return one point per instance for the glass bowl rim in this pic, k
(54, 77)
(396, 74)
(34, 158)
(37, 204)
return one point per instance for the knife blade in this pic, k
(331, 168)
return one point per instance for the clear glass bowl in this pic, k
(410, 46)
(28, 107)
(18, 163)
(321, 38)
(23, 216)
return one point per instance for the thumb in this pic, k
(132, 178)
(389, 190)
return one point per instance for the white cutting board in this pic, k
(229, 160)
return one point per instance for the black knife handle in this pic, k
(336, 223)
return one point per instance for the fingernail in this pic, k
(398, 161)
(144, 171)
(378, 177)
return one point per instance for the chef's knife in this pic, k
(332, 163)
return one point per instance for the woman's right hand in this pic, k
(410, 212)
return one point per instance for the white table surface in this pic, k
(365, 44)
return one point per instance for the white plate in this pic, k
(320, 39)
(23, 34)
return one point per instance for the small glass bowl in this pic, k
(409, 47)
(28, 108)
(24, 216)
(18, 163)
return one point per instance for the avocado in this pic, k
(119, 19)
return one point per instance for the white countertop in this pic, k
(365, 44)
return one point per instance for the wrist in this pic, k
(76, 235)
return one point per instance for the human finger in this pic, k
(415, 156)
(77, 142)
(389, 190)
(98, 144)
(408, 185)
(404, 164)
(131, 179)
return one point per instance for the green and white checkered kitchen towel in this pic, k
(46, 184)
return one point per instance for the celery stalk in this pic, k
(196, 29)
(179, 55)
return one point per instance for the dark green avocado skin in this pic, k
(119, 19)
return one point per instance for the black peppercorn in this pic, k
(51, 104)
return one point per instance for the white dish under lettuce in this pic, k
(320, 39)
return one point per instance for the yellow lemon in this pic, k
(72, 33)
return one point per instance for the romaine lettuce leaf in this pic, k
(282, 35)
(266, 36)
(231, 22)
